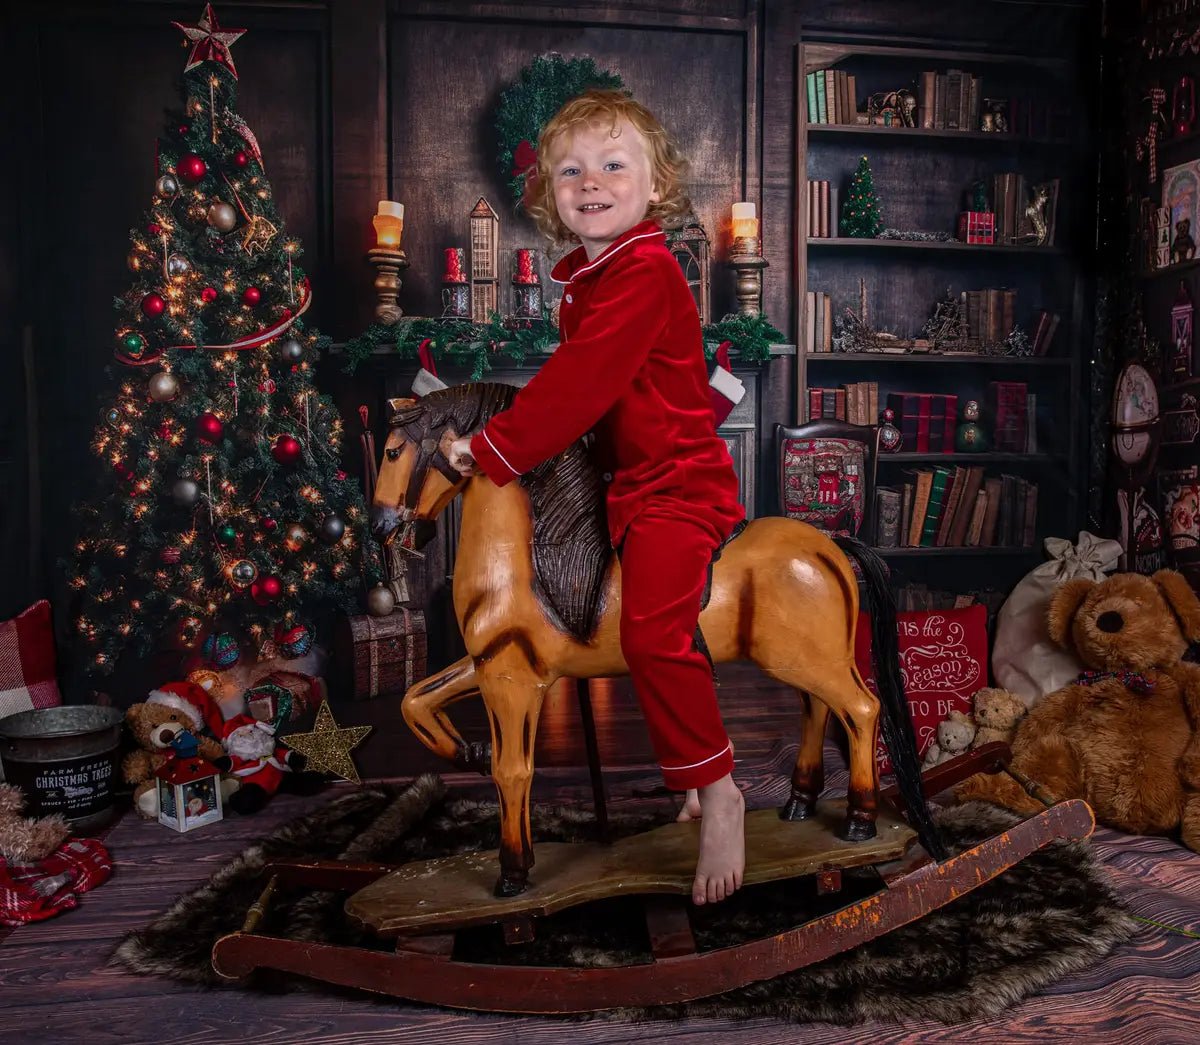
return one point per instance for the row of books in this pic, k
(830, 96)
(822, 209)
(961, 507)
(989, 312)
(916, 597)
(949, 101)
(928, 421)
(818, 322)
(856, 403)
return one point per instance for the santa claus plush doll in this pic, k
(259, 762)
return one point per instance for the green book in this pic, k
(811, 83)
(820, 78)
(933, 513)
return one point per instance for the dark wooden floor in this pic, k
(56, 986)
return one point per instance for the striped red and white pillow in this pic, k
(27, 675)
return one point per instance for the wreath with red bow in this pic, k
(544, 86)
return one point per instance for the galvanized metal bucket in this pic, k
(65, 761)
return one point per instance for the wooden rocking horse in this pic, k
(537, 596)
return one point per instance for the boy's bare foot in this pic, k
(691, 807)
(722, 842)
(691, 803)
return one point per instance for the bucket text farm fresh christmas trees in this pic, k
(224, 511)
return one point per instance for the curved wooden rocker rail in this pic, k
(421, 968)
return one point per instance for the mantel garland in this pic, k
(478, 343)
(543, 87)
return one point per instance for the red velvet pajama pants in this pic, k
(664, 565)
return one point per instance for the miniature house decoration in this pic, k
(485, 262)
(690, 247)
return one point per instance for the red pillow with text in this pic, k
(943, 659)
(27, 675)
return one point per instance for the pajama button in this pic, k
(569, 299)
(607, 477)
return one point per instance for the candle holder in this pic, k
(456, 290)
(526, 288)
(389, 262)
(747, 262)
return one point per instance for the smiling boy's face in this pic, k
(603, 182)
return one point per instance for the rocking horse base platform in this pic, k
(423, 904)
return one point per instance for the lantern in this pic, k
(189, 793)
(1180, 359)
(485, 262)
(689, 245)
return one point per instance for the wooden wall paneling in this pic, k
(360, 143)
(443, 145)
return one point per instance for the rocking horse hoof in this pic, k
(856, 830)
(475, 757)
(798, 807)
(511, 883)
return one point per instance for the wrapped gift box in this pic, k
(380, 655)
(977, 226)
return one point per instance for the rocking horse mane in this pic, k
(571, 548)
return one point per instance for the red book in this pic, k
(951, 424)
(923, 412)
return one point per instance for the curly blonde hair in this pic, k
(668, 167)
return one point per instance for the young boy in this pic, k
(630, 366)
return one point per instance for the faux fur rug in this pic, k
(1049, 916)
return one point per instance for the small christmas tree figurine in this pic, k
(860, 211)
(223, 512)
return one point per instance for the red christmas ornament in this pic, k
(267, 386)
(269, 524)
(153, 306)
(341, 476)
(266, 589)
(209, 427)
(154, 228)
(252, 295)
(208, 295)
(191, 169)
(286, 450)
(285, 313)
(122, 470)
(240, 158)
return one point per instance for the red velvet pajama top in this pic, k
(630, 365)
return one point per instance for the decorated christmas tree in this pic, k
(860, 211)
(224, 515)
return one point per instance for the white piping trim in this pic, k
(604, 257)
(675, 769)
(177, 703)
(498, 453)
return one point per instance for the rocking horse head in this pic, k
(415, 480)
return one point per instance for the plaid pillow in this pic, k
(27, 675)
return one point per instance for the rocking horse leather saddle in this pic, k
(698, 640)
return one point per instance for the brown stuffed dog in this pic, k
(1123, 736)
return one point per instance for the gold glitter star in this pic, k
(327, 747)
(259, 233)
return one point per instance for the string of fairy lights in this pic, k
(231, 516)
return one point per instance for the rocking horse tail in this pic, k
(897, 726)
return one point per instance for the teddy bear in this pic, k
(26, 841)
(1123, 735)
(996, 713)
(1183, 246)
(954, 734)
(154, 724)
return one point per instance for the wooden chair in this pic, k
(825, 472)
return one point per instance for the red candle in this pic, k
(454, 266)
(525, 273)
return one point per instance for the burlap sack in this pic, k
(1024, 658)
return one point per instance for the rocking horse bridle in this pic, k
(429, 452)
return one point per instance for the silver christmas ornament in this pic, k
(290, 350)
(243, 573)
(222, 217)
(333, 528)
(163, 387)
(185, 492)
(380, 601)
(166, 185)
(178, 265)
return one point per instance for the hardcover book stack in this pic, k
(830, 96)
(856, 403)
(1008, 407)
(822, 210)
(926, 421)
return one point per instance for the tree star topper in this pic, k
(210, 43)
(327, 747)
